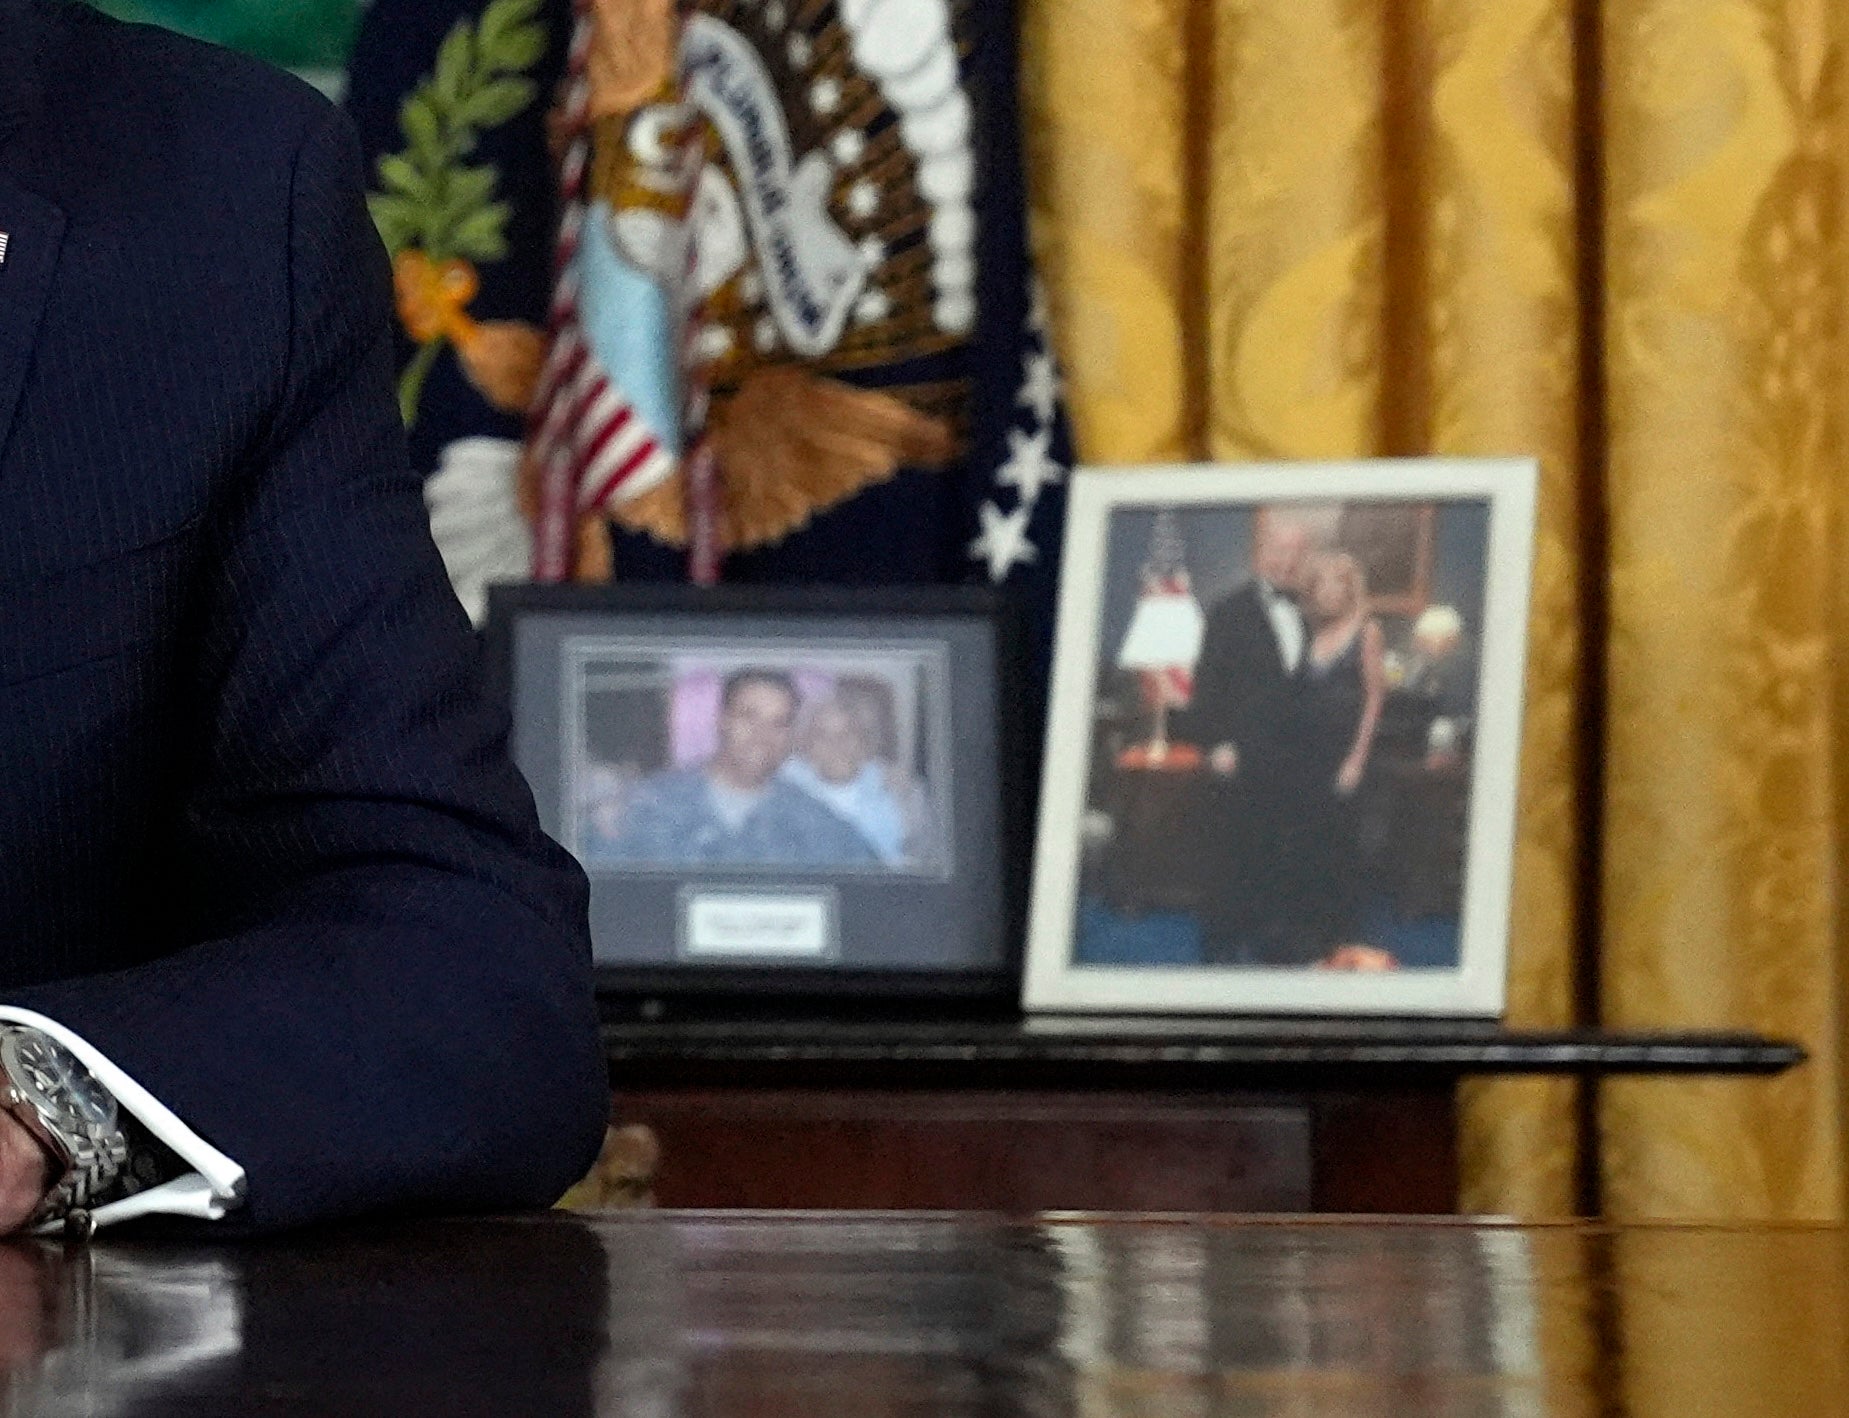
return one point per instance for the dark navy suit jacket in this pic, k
(260, 841)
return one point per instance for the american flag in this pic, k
(586, 437)
(1163, 642)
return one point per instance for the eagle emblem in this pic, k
(770, 259)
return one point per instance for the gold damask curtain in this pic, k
(1609, 234)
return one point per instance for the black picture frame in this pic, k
(665, 988)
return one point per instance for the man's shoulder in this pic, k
(789, 794)
(794, 807)
(121, 108)
(81, 46)
(672, 785)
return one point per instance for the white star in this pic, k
(955, 313)
(872, 307)
(713, 342)
(799, 51)
(1037, 319)
(1003, 543)
(774, 15)
(872, 250)
(848, 146)
(825, 95)
(1030, 466)
(863, 199)
(1040, 386)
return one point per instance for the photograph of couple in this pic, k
(1281, 768)
(754, 758)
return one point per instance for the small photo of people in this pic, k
(1281, 762)
(758, 758)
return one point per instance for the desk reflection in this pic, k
(28, 1313)
(486, 1317)
(95, 1330)
(877, 1317)
(863, 1319)
(1211, 1318)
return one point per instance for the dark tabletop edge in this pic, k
(705, 1044)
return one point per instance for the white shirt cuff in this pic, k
(215, 1185)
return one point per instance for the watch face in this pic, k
(56, 1083)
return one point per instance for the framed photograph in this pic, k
(776, 789)
(1284, 740)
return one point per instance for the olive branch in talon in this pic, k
(439, 215)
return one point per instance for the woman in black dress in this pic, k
(1345, 687)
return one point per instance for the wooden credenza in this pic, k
(1091, 1114)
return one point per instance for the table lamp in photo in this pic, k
(1162, 645)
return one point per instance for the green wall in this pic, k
(308, 35)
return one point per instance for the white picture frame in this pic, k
(1472, 528)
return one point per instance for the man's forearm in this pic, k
(394, 1038)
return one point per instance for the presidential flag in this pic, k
(759, 269)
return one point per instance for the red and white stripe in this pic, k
(592, 449)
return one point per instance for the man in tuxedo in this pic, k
(280, 937)
(1246, 713)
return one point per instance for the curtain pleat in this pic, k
(1108, 105)
(1501, 330)
(1724, 283)
(1294, 221)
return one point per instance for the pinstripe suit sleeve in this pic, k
(394, 1009)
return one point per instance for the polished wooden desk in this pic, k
(657, 1316)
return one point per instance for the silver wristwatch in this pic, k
(72, 1115)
